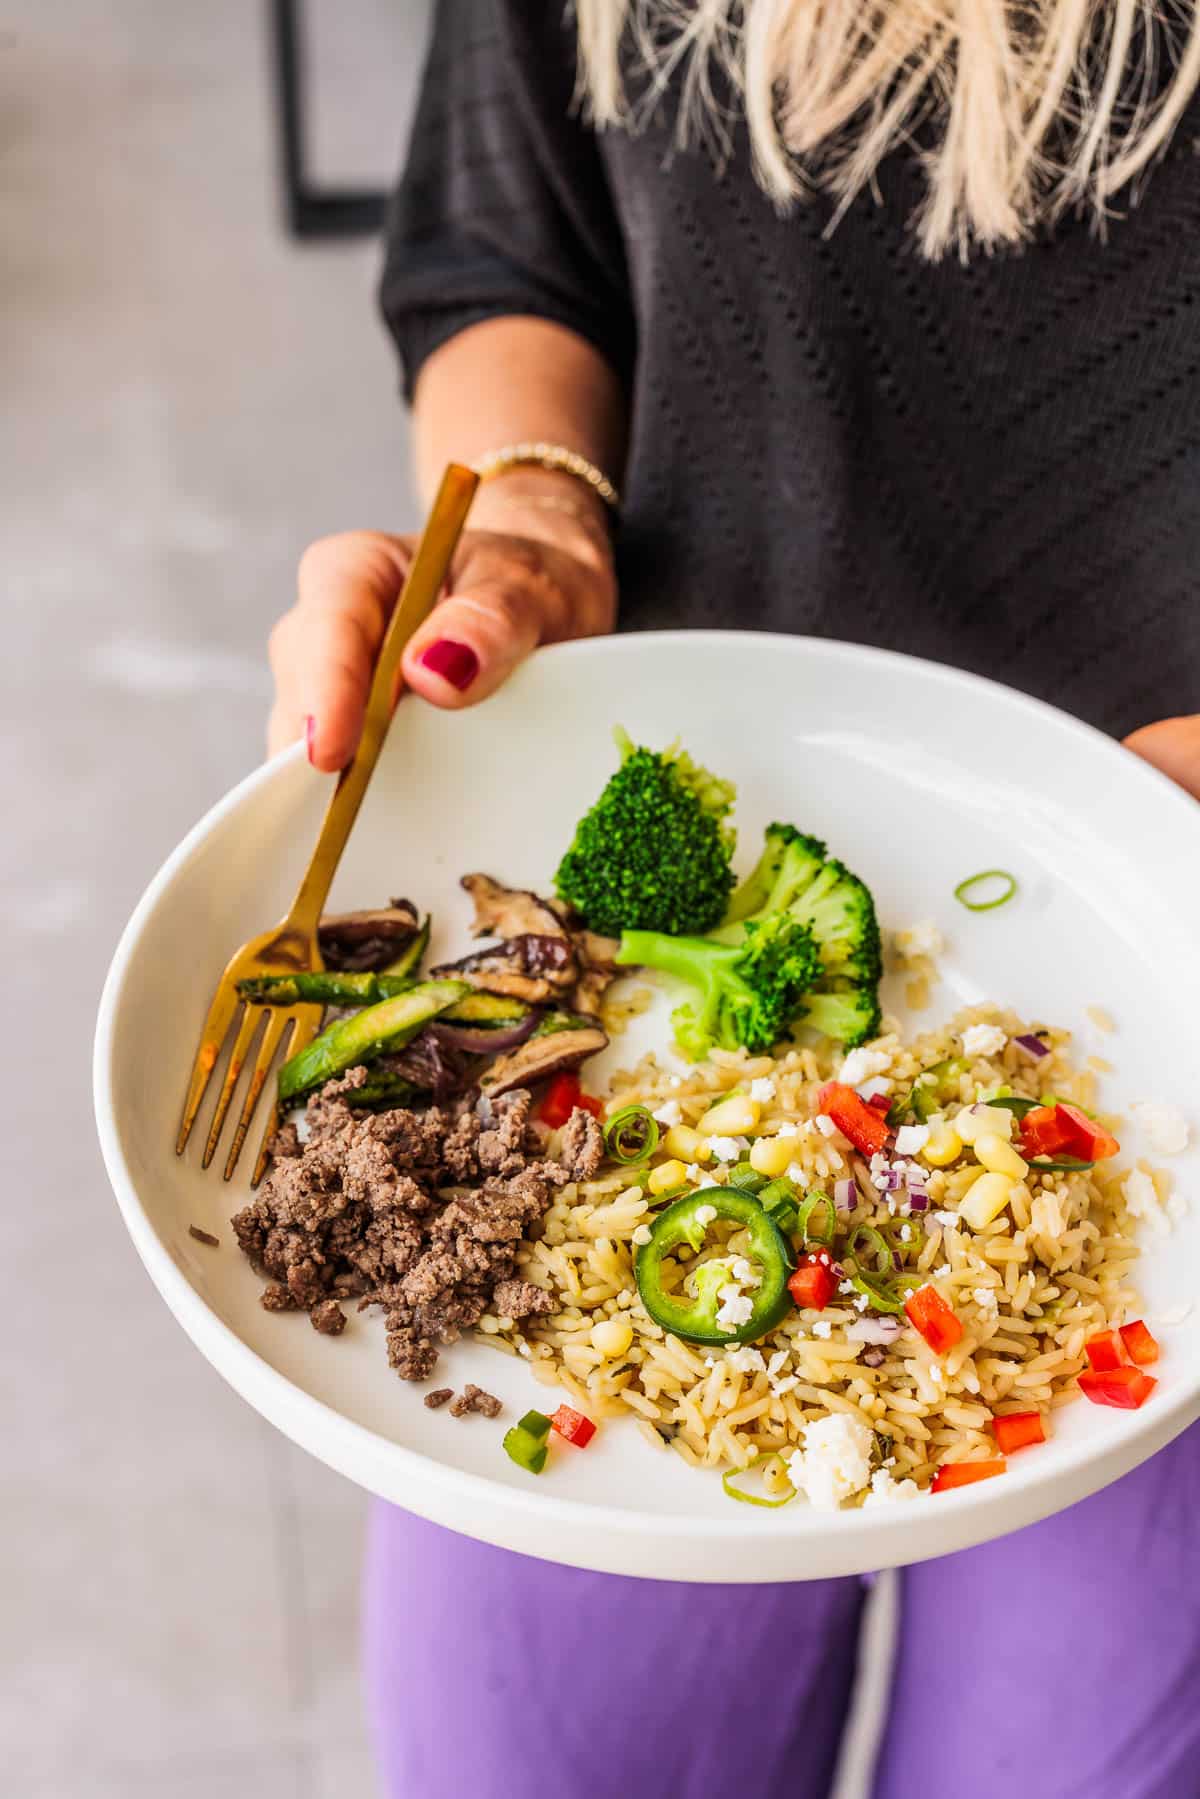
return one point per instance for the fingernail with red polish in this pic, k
(310, 730)
(455, 662)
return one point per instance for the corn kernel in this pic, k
(772, 1155)
(1000, 1157)
(612, 1336)
(667, 1175)
(974, 1121)
(943, 1145)
(682, 1140)
(736, 1116)
(985, 1199)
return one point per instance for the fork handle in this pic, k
(418, 596)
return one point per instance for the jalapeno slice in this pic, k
(693, 1316)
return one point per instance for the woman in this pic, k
(888, 331)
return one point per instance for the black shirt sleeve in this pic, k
(504, 205)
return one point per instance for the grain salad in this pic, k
(1032, 1281)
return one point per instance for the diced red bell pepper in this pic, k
(1087, 1139)
(865, 1127)
(1140, 1342)
(879, 1102)
(1014, 1430)
(561, 1098)
(573, 1426)
(1043, 1133)
(1126, 1387)
(964, 1474)
(1106, 1350)
(937, 1322)
(814, 1284)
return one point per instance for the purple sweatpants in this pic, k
(1059, 1663)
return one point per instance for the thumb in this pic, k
(503, 602)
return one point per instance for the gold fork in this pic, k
(290, 947)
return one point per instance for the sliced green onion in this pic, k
(985, 905)
(732, 1474)
(1063, 1165)
(1015, 1104)
(527, 1442)
(883, 1295)
(631, 1135)
(747, 1178)
(877, 1245)
(778, 1197)
(805, 1210)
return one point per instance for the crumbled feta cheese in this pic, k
(941, 1273)
(1164, 1127)
(835, 1461)
(905, 1232)
(862, 1302)
(949, 1221)
(745, 1272)
(789, 1128)
(1141, 1197)
(726, 1149)
(777, 1361)
(880, 1182)
(735, 1309)
(921, 939)
(885, 1490)
(676, 1080)
(911, 1139)
(782, 1384)
(825, 1125)
(705, 1215)
(696, 1178)
(861, 1064)
(762, 1089)
(669, 1113)
(641, 1235)
(745, 1359)
(985, 1297)
(876, 1088)
(845, 1286)
(822, 1328)
(796, 1173)
(983, 1040)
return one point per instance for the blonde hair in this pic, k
(1023, 110)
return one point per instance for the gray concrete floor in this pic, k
(187, 399)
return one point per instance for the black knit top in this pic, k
(996, 465)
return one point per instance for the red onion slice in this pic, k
(874, 1330)
(1033, 1046)
(845, 1195)
(918, 1199)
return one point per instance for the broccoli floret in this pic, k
(789, 860)
(654, 852)
(794, 874)
(749, 991)
(850, 1015)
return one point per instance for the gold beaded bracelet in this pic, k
(549, 456)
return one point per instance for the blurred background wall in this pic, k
(187, 395)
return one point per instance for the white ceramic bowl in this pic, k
(917, 776)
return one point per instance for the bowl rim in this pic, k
(256, 1380)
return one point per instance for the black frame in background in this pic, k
(310, 211)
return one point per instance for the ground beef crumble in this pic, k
(475, 1399)
(420, 1213)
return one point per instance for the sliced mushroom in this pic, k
(590, 988)
(531, 967)
(354, 941)
(551, 1053)
(510, 911)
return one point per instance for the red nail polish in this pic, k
(455, 662)
(310, 727)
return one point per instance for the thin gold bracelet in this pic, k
(549, 456)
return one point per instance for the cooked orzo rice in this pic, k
(1029, 1287)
